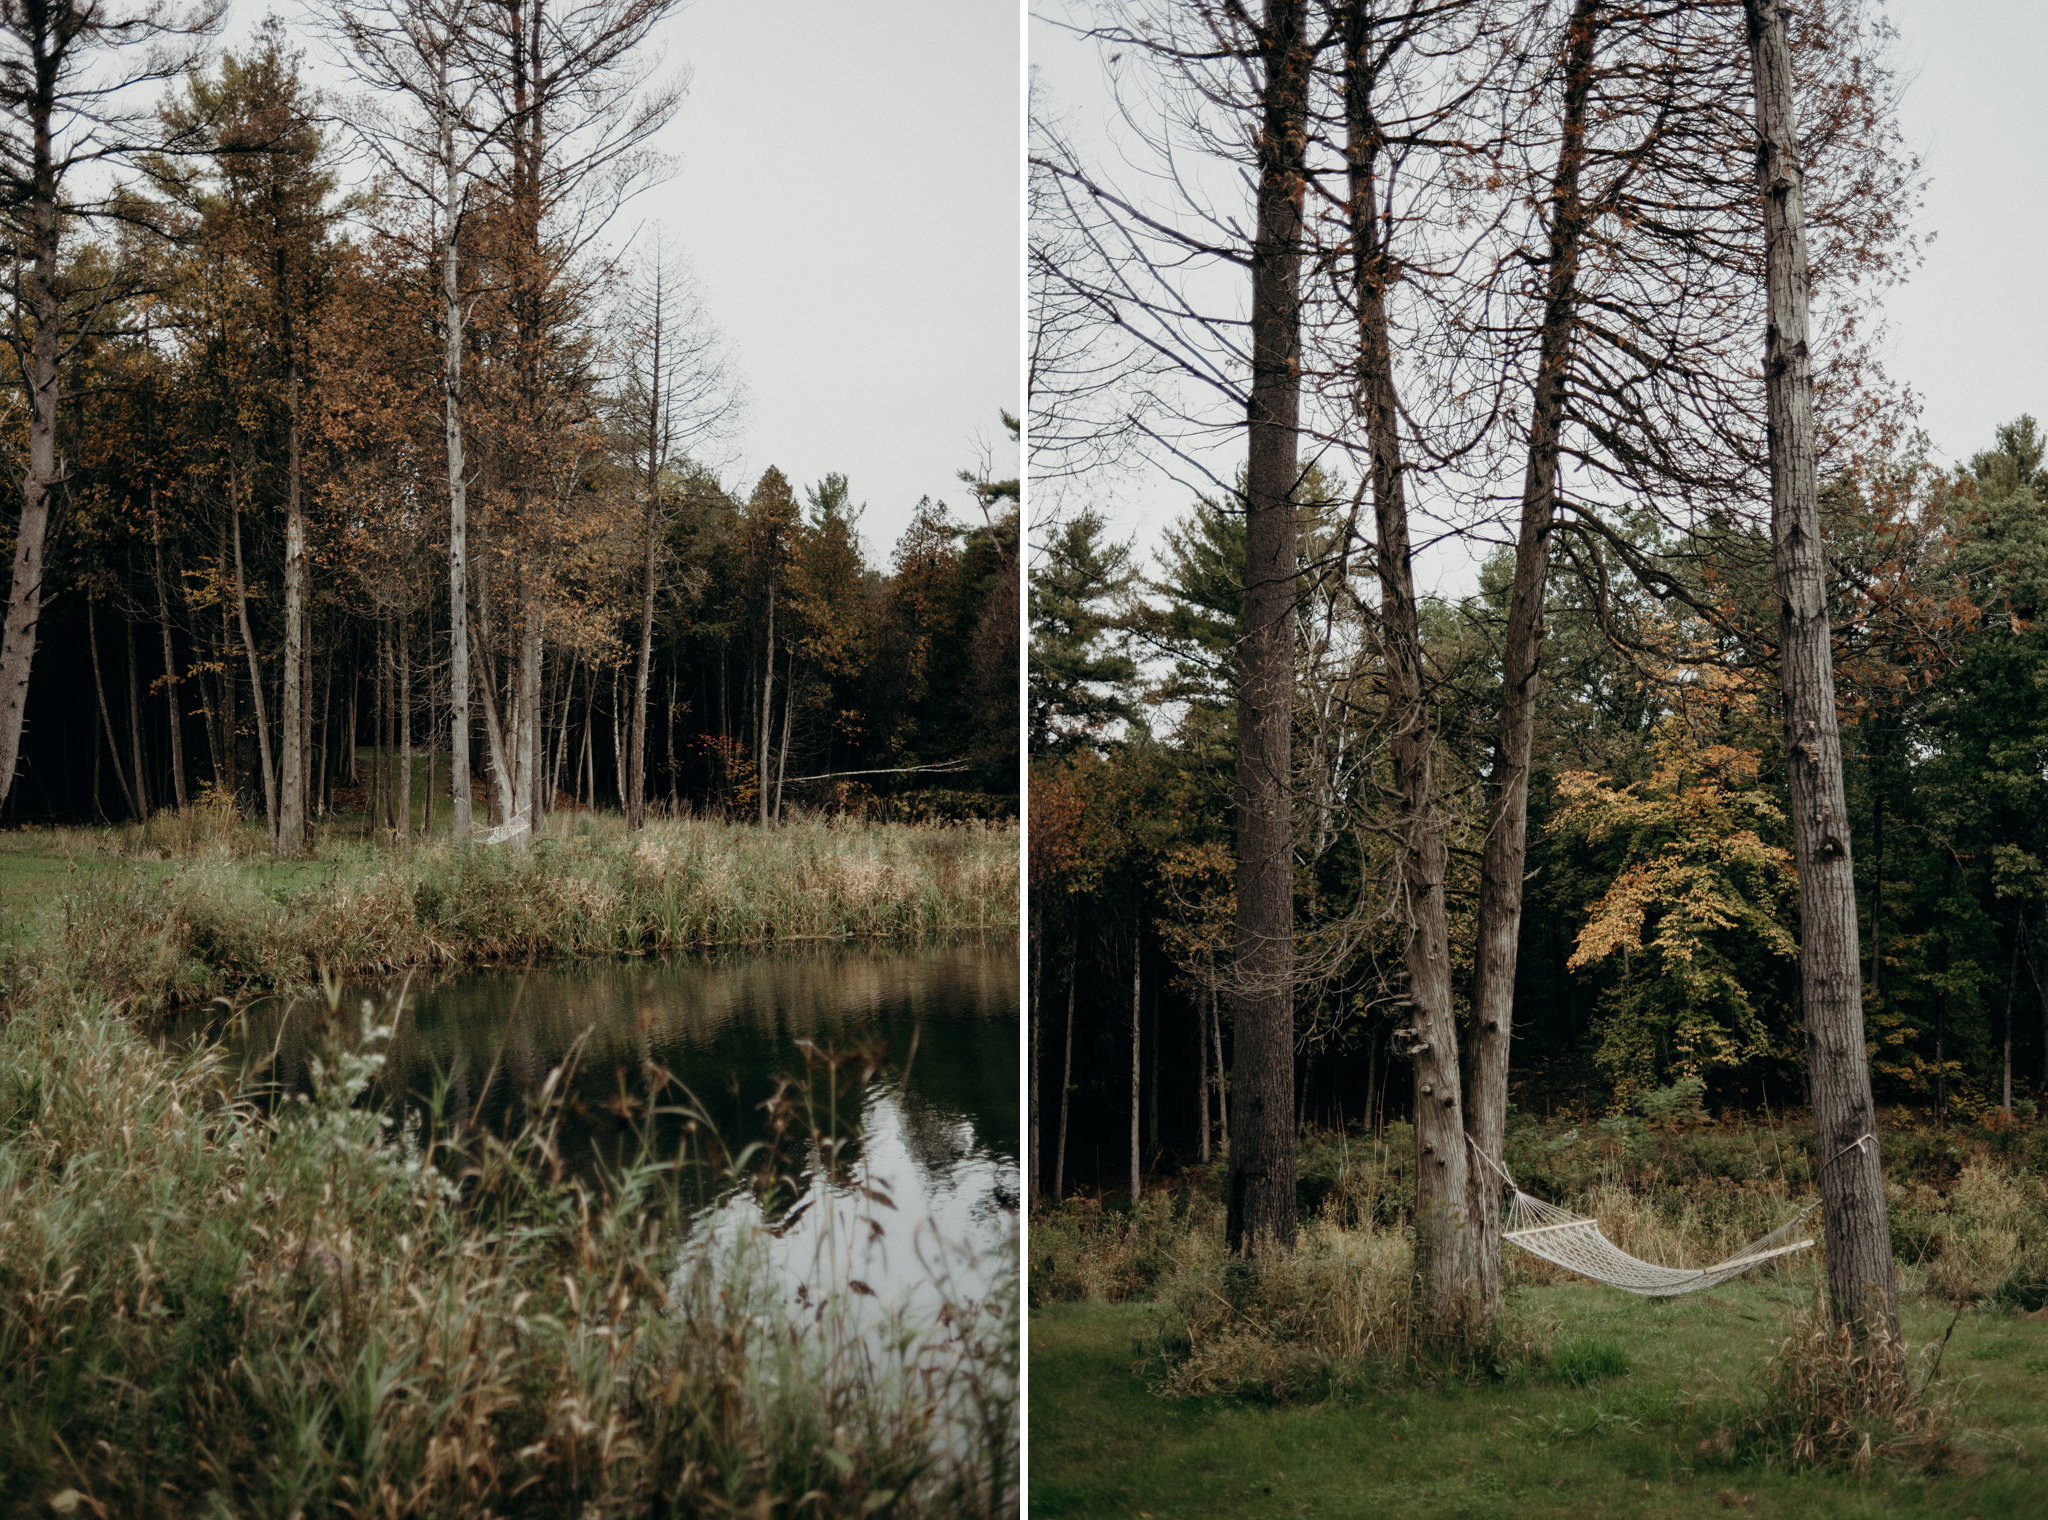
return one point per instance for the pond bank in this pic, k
(184, 910)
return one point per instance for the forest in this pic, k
(1557, 810)
(380, 478)
(1659, 944)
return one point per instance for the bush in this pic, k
(1304, 1322)
(1825, 1399)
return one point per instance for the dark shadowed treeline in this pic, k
(1658, 954)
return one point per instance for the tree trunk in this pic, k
(494, 739)
(433, 748)
(92, 638)
(1137, 1067)
(380, 728)
(788, 720)
(135, 723)
(1443, 1244)
(1877, 891)
(323, 789)
(25, 591)
(1262, 1206)
(636, 753)
(1202, 1067)
(1059, 1155)
(1033, 1097)
(1859, 1257)
(669, 722)
(229, 721)
(2012, 982)
(767, 699)
(404, 716)
(532, 666)
(291, 818)
(1505, 856)
(163, 613)
(1222, 1082)
(458, 486)
(255, 671)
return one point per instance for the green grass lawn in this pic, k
(1103, 1444)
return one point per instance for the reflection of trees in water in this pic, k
(938, 1140)
(724, 1027)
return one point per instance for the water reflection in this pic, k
(905, 1198)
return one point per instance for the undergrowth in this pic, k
(211, 1305)
(1329, 1318)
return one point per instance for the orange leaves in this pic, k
(1700, 903)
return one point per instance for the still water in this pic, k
(911, 1199)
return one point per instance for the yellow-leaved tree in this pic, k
(1699, 911)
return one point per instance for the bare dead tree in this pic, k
(682, 398)
(1861, 1287)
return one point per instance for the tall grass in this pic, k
(1969, 1215)
(189, 912)
(211, 1306)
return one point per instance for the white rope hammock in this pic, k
(1574, 1242)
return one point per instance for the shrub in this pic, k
(1826, 1399)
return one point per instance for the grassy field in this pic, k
(1160, 1390)
(1646, 1441)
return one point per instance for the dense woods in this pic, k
(381, 474)
(1601, 299)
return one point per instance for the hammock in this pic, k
(509, 830)
(1574, 1242)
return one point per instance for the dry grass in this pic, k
(183, 910)
(207, 1307)
(1826, 1398)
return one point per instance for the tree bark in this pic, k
(636, 755)
(1137, 1068)
(255, 671)
(788, 721)
(25, 591)
(767, 713)
(1858, 1235)
(291, 818)
(163, 612)
(1261, 1203)
(1059, 1155)
(404, 717)
(1202, 1068)
(1443, 1245)
(458, 483)
(2012, 982)
(92, 638)
(1033, 1097)
(1505, 856)
(135, 723)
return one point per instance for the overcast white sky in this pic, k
(849, 194)
(1968, 333)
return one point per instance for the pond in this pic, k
(896, 1164)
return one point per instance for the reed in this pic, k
(181, 910)
(211, 1304)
